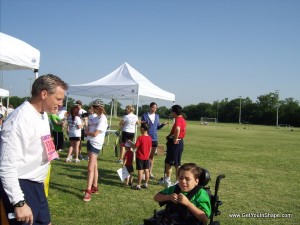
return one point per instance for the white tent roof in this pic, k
(4, 93)
(123, 83)
(17, 55)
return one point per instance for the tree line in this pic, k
(266, 110)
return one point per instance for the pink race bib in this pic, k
(50, 147)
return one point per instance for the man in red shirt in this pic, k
(175, 143)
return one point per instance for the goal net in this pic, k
(207, 120)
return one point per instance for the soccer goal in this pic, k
(207, 120)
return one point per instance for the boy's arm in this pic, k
(124, 161)
(159, 197)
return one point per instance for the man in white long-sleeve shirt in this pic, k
(26, 150)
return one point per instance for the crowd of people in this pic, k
(25, 154)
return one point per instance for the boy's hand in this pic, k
(182, 199)
(174, 198)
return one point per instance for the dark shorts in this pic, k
(142, 164)
(154, 144)
(129, 169)
(92, 149)
(74, 138)
(36, 199)
(126, 136)
(174, 152)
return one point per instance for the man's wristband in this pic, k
(20, 204)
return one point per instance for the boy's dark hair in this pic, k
(145, 126)
(177, 109)
(195, 170)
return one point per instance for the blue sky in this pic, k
(201, 51)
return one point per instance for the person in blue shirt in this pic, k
(152, 119)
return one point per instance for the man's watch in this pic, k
(20, 203)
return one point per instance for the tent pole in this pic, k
(111, 111)
(36, 72)
(111, 106)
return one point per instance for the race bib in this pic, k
(50, 147)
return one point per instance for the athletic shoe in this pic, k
(88, 195)
(80, 157)
(120, 161)
(145, 186)
(136, 187)
(94, 190)
(60, 150)
(168, 183)
(151, 176)
(77, 160)
(165, 181)
(68, 160)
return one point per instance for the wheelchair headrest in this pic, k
(204, 177)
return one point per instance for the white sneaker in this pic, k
(168, 183)
(68, 160)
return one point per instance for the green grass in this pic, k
(261, 165)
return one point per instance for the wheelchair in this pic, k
(214, 200)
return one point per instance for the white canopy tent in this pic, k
(18, 55)
(4, 93)
(123, 83)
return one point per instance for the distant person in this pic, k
(128, 163)
(152, 119)
(143, 145)
(81, 114)
(95, 134)
(26, 151)
(57, 130)
(62, 112)
(128, 123)
(74, 132)
(2, 113)
(198, 207)
(174, 144)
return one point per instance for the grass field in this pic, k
(261, 165)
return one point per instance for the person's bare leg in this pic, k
(168, 171)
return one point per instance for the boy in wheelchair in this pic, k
(187, 202)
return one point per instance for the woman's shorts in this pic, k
(126, 136)
(74, 138)
(142, 164)
(92, 149)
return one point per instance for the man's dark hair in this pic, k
(177, 109)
